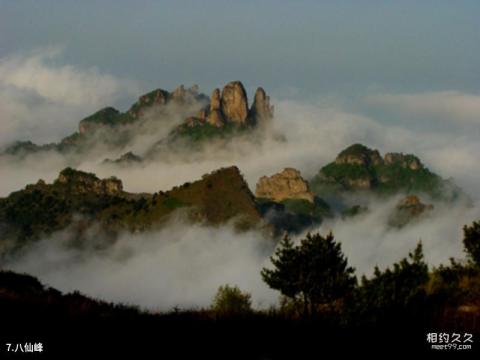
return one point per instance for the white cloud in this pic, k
(368, 241)
(43, 101)
(177, 266)
(454, 106)
(64, 84)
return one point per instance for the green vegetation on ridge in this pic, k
(360, 168)
(80, 198)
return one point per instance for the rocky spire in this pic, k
(234, 103)
(231, 106)
(261, 109)
(215, 116)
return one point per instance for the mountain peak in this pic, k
(358, 154)
(261, 109)
(360, 168)
(234, 102)
(105, 116)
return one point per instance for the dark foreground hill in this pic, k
(75, 326)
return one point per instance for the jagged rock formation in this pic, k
(230, 107)
(409, 209)
(215, 116)
(225, 113)
(287, 184)
(360, 168)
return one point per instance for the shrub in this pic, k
(230, 300)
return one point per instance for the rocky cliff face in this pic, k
(215, 116)
(230, 106)
(261, 110)
(287, 184)
(234, 102)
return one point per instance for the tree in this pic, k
(395, 292)
(230, 300)
(471, 242)
(314, 273)
(286, 275)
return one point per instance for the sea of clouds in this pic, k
(183, 265)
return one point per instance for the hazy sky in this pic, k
(290, 47)
(408, 63)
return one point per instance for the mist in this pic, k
(180, 266)
(368, 240)
(42, 99)
(183, 265)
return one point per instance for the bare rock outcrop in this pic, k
(287, 184)
(261, 110)
(215, 116)
(234, 102)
